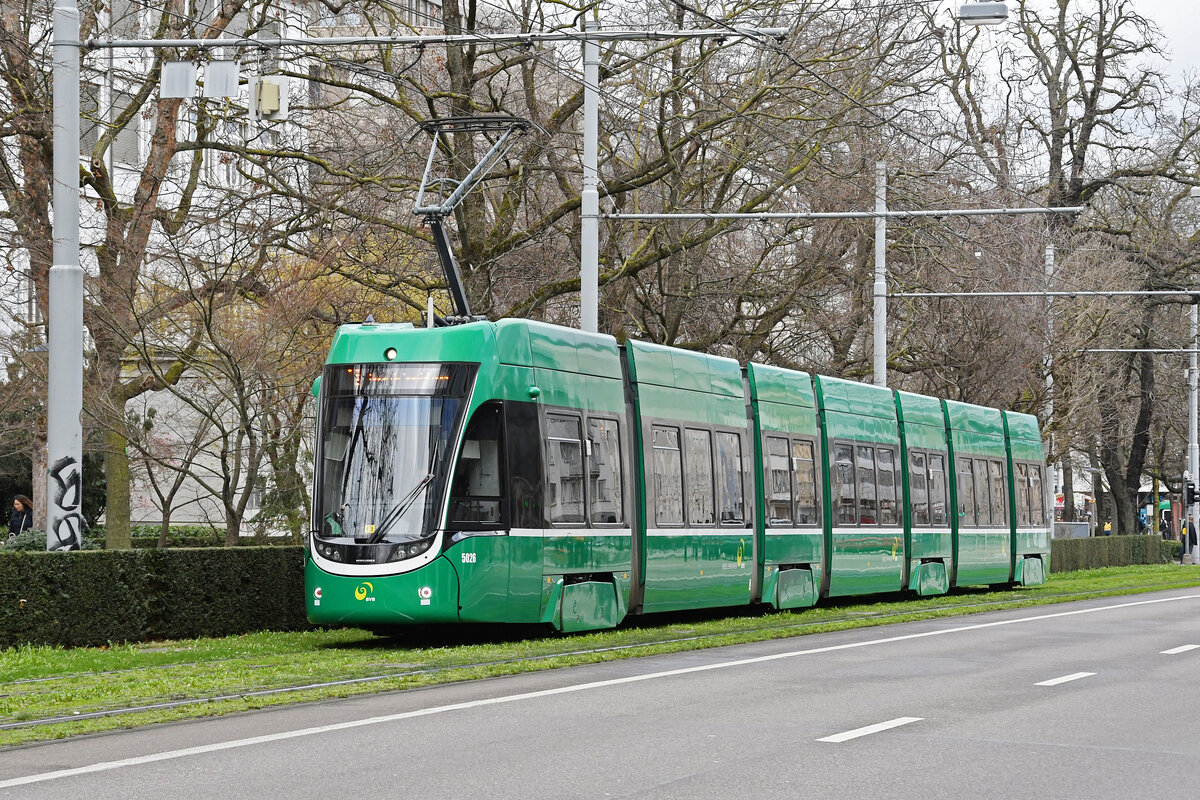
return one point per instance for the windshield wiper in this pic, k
(397, 511)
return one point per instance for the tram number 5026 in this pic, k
(468, 558)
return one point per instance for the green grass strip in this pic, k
(221, 676)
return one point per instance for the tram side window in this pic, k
(668, 476)
(966, 494)
(983, 503)
(1036, 514)
(868, 512)
(779, 483)
(605, 491)
(999, 496)
(937, 490)
(844, 494)
(731, 502)
(697, 459)
(886, 474)
(475, 495)
(564, 469)
(918, 488)
(1022, 494)
(808, 508)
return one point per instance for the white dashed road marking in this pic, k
(876, 728)
(1074, 676)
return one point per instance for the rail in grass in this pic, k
(521, 472)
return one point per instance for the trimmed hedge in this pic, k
(92, 598)
(1068, 555)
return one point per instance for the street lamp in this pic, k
(982, 13)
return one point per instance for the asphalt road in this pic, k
(1070, 701)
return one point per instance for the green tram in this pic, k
(515, 471)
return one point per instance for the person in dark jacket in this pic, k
(22, 516)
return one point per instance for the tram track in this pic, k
(816, 625)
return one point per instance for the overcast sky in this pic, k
(1179, 21)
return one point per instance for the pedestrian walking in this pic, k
(1190, 545)
(22, 516)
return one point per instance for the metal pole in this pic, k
(802, 215)
(64, 405)
(1052, 473)
(881, 273)
(616, 35)
(589, 241)
(1193, 447)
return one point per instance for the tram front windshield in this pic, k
(386, 432)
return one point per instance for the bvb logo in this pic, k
(365, 588)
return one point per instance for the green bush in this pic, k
(92, 598)
(33, 541)
(1172, 550)
(1068, 555)
(81, 598)
(221, 591)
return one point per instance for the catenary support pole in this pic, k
(589, 245)
(881, 274)
(1052, 476)
(1193, 447)
(64, 430)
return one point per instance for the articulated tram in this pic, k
(516, 471)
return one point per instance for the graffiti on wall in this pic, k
(66, 491)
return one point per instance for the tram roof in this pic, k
(770, 384)
(852, 397)
(970, 418)
(919, 409)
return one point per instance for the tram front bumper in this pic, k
(428, 594)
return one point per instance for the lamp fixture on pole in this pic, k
(983, 13)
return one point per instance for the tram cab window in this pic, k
(999, 496)
(842, 474)
(868, 511)
(668, 476)
(983, 503)
(965, 484)
(918, 488)
(1022, 495)
(779, 483)
(564, 469)
(476, 494)
(730, 499)
(937, 490)
(605, 491)
(808, 507)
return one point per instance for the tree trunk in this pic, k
(233, 526)
(1068, 479)
(164, 527)
(116, 472)
(40, 474)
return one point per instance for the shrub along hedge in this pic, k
(1068, 555)
(94, 597)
